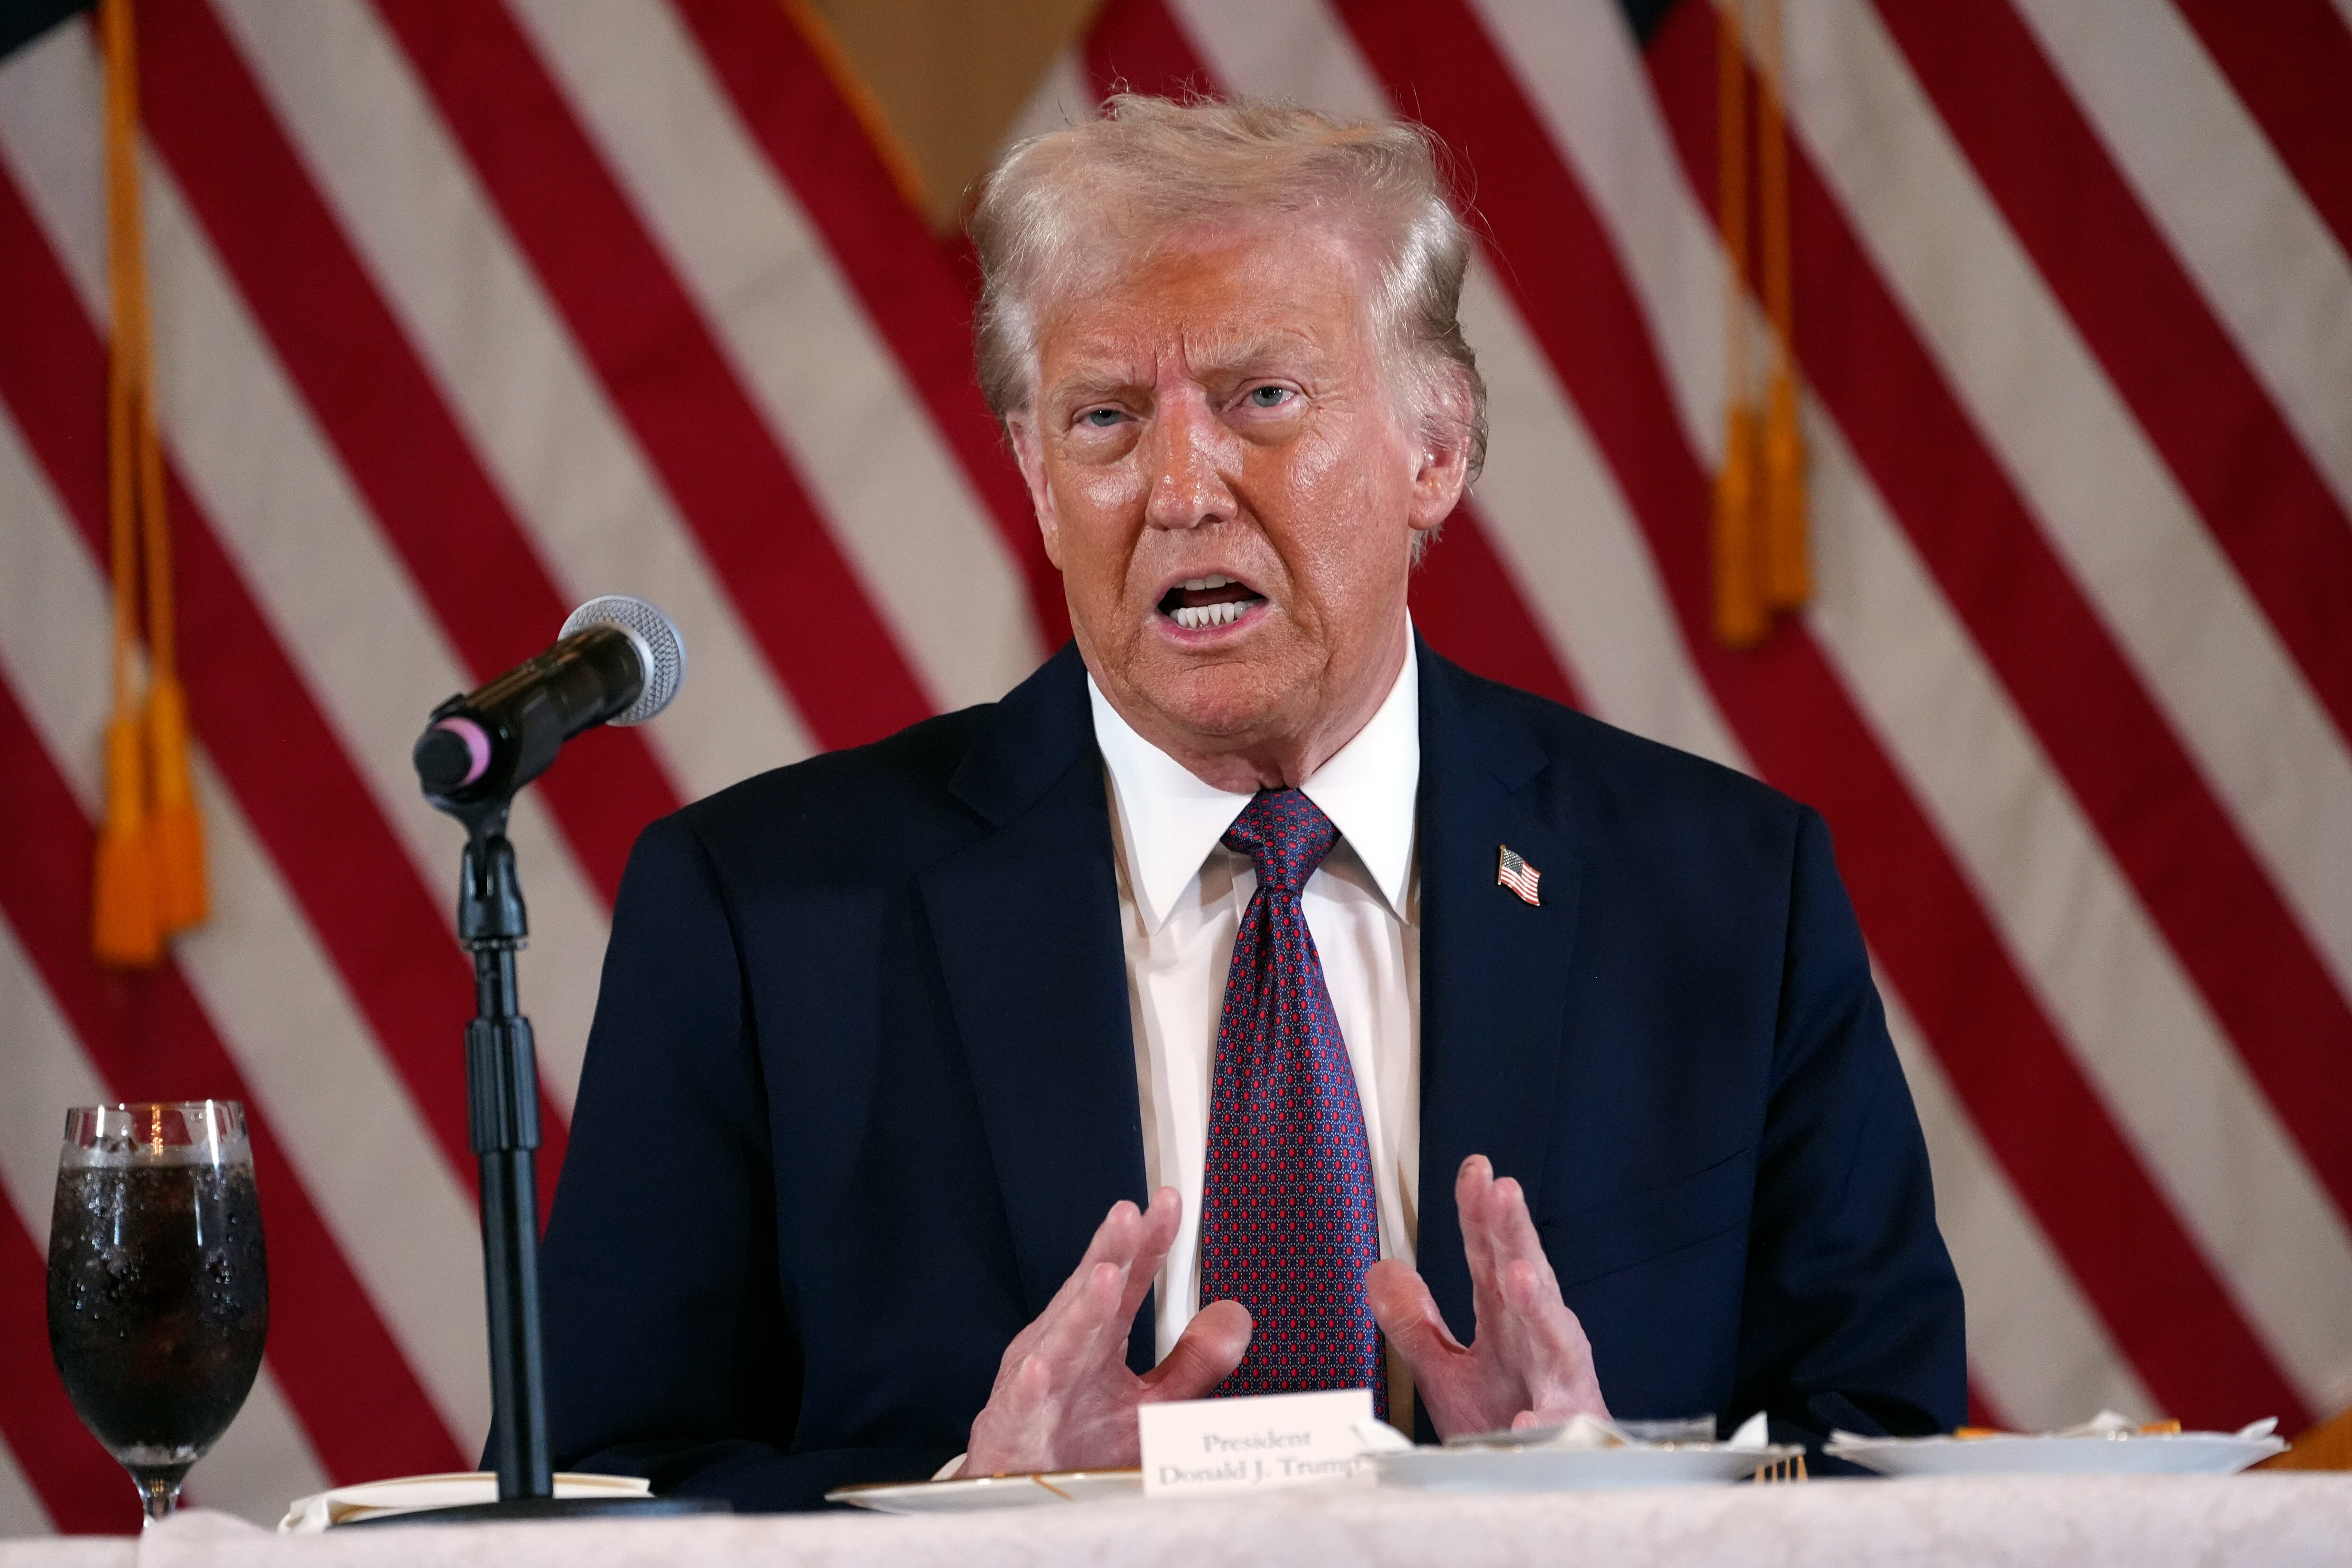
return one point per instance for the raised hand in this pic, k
(1529, 1364)
(1064, 1399)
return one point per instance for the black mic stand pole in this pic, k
(502, 1095)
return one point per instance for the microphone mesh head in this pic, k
(658, 639)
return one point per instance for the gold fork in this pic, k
(1782, 1470)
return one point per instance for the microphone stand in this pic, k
(502, 1094)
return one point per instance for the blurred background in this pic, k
(463, 311)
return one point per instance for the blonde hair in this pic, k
(1151, 167)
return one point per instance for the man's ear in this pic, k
(1029, 451)
(1443, 470)
(1438, 480)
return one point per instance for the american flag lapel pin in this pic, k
(1513, 872)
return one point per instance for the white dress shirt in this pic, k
(1180, 896)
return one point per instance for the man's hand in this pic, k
(1530, 1363)
(1064, 1399)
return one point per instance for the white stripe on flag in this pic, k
(1063, 98)
(21, 1513)
(2211, 181)
(42, 1074)
(571, 471)
(262, 1462)
(835, 397)
(2104, 498)
(1575, 62)
(1557, 520)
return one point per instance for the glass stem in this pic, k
(161, 1495)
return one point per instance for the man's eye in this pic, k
(1270, 397)
(1099, 418)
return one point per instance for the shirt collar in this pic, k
(1169, 819)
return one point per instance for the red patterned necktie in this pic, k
(1288, 1223)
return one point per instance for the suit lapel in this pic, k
(1025, 922)
(1493, 970)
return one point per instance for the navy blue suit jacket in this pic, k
(862, 1084)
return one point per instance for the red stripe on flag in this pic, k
(665, 371)
(2023, 1091)
(384, 930)
(362, 1409)
(2251, 479)
(77, 1480)
(1465, 602)
(2219, 911)
(1982, 1411)
(1138, 46)
(374, 400)
(2291, 62)
(903, 274)
(1463, 598)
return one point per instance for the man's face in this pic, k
(1230, 485)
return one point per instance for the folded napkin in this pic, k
(406, 1494)
(1579, 1432)
(2107, 1424)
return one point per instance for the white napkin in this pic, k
(406, 1494)
(2105, 1424)
(1578, 1432)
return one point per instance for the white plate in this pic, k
(408, 1494)
(2149, 1454)
(1505, 1470)
(967, 1493)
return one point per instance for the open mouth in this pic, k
(1200, 604)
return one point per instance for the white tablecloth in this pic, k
(2274, 1520)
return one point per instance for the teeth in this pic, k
(1197, 583)
(1200, 617)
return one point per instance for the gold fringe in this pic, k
(1740, 616)
(176, 837)
(124, 931)
(1787, 577)
(149, 876)
(1761, 555)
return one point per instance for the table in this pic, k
(2276, 1521)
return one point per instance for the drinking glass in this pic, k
(159, 1290)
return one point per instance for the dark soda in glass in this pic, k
(159, 1300)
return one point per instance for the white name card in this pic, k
(1197, 1448)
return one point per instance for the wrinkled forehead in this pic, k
(1218, 297)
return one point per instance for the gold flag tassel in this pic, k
(1786, 571)
(149, 876)
(1739, 608)
(1760, 556)
(178, 837)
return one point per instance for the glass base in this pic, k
(159, 1488)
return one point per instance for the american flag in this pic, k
(465, 312)
(1512, 872)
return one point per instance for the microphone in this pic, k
(618, 660)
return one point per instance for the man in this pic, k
(1252, 1000)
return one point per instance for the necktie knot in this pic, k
(1285, 835)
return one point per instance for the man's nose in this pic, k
(1187, 449)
